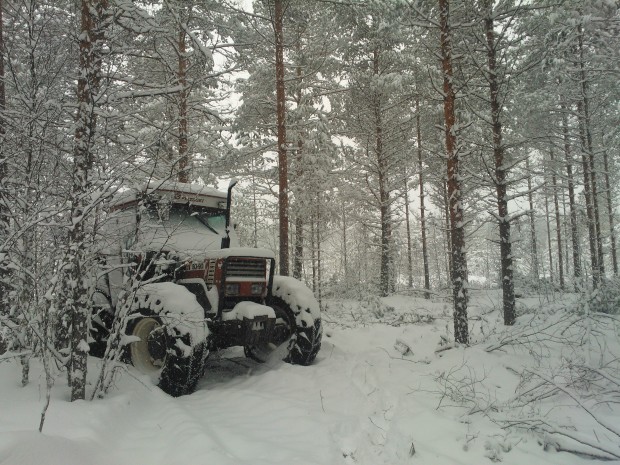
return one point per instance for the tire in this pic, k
(100, 324)
(303, 340)
(99, 333)
(165, 345)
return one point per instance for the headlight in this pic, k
(257, 289)
(232, 289)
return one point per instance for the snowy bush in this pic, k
(606, 299)
(372, 305)
(566, 356)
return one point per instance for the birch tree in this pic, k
(92, 36)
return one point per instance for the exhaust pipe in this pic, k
(226, 240)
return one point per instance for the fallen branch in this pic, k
(589, 446)
(11, 355)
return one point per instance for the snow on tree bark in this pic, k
(598, 271)
(76, 284)
(500, 172)
(183, 174)
(408, 229)
(457, 227)
(4, 212)
(571, 192)
(281, 128)
(298, 256)
(587, 191)
(549, 247)
(384, 192)
(447, 229)
(427, 278)
(532, 217)
(610, 213)
(558, 223)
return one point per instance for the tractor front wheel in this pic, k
(293, 339)
(162, 350)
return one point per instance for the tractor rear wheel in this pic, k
(293, 340)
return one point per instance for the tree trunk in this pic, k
(254, 207)
(281, 125)
(345, 264)
(319, 293)
(2, 111)
(587, 190)
(298, 256)
(435, 252)
(565, 227)
(549, 247)
(585, 115)
(408, 226)
(313, 227)
(571, 194)
(610, 214)
(500, 175)
(91, 41)
(558, 222)
(299, 246)
(4, 211)
(457, 228)
(532, 216)
(446, 208)
(183, 173)
(427, 278)
(384, 193)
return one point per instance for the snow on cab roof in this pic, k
(182, 192)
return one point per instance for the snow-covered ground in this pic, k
(395, 393)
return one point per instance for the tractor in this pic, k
(180, 285)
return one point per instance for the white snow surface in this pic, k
(299, 297)
(385, 389)
(248, 310)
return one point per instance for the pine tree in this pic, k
(4, 212)
(457, 227)
(501, 182)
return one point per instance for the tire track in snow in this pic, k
(379, 407)
(356, 401)
(168, 432)
(234, 418)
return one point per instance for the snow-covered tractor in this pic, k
(175, 284)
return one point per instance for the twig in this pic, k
(444, 348)
(11, 355)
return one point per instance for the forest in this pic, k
(421, 148)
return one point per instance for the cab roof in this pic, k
(177, 192)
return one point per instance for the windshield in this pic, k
(215, 220)
(187, 216)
